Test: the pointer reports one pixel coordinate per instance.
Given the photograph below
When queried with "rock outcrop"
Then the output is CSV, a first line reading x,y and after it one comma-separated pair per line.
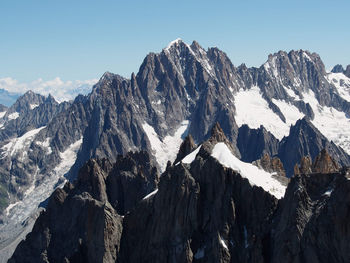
x,y
305,140
201,212
83,222
186,147
324,163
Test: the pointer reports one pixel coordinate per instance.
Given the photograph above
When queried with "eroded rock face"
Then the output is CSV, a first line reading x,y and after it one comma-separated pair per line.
x,y
312,221
186,147
306,140
324,163
83,222
347,71
201,212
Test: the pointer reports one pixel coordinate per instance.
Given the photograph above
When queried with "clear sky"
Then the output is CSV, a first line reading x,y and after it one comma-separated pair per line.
x,y
79,40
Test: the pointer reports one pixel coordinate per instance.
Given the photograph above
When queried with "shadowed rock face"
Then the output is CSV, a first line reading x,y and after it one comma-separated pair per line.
x,y
254,143
305,140
83,222
202,212
312,224
199,214
347,71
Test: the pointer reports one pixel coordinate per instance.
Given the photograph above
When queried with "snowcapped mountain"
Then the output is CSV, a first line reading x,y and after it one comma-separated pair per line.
x,y
288,108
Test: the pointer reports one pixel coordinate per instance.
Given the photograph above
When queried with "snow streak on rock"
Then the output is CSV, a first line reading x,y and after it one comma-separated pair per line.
x,y
255,175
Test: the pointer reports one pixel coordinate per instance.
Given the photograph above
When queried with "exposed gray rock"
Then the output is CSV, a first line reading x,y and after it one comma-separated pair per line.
x,y
186,147
338,69
347,71
81,223
254,143
201,212
312,221
305,140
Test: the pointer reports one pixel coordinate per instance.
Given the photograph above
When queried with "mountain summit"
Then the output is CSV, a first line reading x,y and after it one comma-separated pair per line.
x,y
288,108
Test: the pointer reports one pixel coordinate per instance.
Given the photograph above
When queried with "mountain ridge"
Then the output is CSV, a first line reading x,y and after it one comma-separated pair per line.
x,y
182,90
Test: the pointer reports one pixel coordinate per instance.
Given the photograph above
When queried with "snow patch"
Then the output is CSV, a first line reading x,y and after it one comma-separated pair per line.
x,y
68,157
167,148
13,116
189,158
222,242
8,209
328,192
342,84
291,93
2,114
290,112
330,122
18,144
254,175
174,42
150,194
33,106
252,109
45,144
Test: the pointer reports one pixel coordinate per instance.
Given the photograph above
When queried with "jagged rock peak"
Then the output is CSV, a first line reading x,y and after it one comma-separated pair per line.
x,y
347,71
186,147
293,56
217,133
108,76
175,43
305,165
271,165
324,163
50,99
337,69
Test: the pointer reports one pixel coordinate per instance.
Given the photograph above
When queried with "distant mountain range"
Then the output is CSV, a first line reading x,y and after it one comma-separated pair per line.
x,y
288,108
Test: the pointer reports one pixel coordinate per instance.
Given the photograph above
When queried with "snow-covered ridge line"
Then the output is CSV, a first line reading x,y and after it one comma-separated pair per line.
x,y
254,175
173,43
189,158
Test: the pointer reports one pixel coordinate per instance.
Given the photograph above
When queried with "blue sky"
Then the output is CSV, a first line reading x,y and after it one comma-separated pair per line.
x,y
79,40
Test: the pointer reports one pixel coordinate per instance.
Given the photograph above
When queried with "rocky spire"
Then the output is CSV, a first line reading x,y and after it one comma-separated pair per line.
x,y
306,165
324,163
337,69
186,147
347,71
